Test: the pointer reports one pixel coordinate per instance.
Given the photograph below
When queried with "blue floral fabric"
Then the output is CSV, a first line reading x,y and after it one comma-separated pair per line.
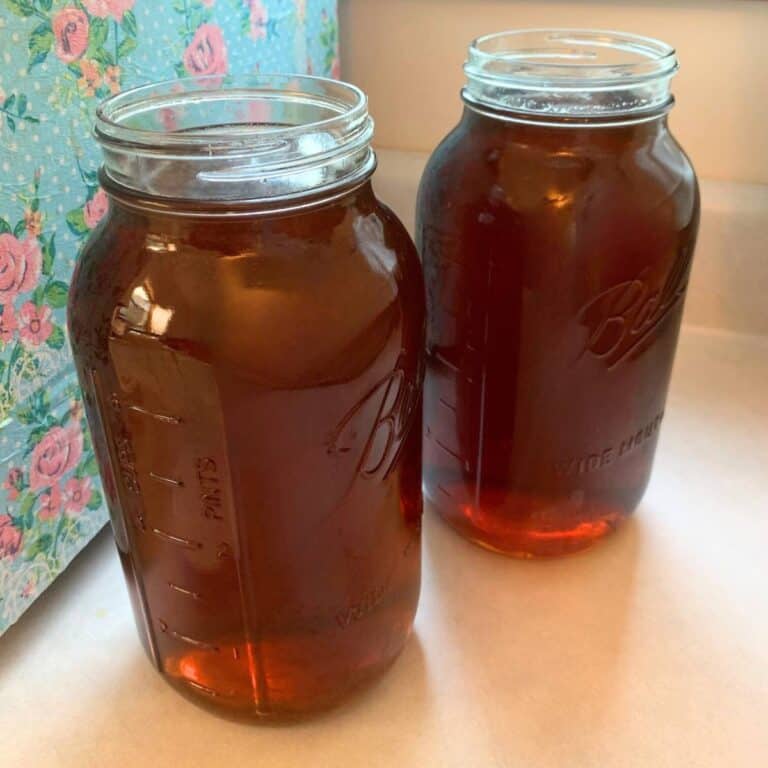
x,y
58,59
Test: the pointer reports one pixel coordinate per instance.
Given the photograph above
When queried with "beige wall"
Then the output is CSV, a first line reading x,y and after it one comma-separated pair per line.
x,y
407,54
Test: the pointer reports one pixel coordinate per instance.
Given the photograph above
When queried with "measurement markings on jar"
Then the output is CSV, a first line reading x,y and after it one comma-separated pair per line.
x,y
184,591
451,366
165,418
204,688
166,480
186,638
168,401
173,539
450,452
447,449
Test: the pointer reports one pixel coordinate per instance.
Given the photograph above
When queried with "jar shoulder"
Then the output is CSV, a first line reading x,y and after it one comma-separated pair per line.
x,y
488,164
279,294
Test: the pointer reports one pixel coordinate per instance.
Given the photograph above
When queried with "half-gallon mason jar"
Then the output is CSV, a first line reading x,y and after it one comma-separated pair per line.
x,y
556,225
248,327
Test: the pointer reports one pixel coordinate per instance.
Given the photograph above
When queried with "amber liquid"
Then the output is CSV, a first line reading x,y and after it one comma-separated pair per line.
x,y
556,261
254,391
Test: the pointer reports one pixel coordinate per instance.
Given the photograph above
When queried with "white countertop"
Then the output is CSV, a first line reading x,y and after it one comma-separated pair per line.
x,y
649,650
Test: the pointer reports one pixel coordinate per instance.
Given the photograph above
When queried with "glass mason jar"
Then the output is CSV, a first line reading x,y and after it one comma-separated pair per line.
x,y
556,225
247,324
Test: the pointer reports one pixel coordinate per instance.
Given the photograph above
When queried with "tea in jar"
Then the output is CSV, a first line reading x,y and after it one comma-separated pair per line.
x,y
556,224
247,325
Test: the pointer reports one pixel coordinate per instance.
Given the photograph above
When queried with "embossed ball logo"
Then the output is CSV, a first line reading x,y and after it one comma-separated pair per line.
x,y
395,399
623,317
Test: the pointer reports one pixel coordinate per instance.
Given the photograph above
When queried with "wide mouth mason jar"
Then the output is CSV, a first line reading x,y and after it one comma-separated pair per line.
x,y
556,225
247,323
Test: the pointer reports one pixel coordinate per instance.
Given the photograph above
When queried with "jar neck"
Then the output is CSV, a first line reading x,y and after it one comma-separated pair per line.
x,y
126,202
563,134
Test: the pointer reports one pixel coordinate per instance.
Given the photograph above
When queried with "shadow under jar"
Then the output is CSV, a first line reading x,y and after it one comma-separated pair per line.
x,y
556,225
247,324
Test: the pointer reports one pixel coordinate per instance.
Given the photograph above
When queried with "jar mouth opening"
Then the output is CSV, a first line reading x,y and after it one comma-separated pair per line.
x,y
246,137
229,114
556,75
583,58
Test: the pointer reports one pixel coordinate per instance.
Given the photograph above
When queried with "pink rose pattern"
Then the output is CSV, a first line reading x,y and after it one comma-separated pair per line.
x,y
105,8
57,453
207,52
47,493
8,324
70,30
29,291
20,262
95,208
13,482
50,503
52,491
258,19
35,324
77,494
10,537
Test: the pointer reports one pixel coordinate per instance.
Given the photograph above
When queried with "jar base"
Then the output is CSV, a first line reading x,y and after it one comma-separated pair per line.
x,y
275,683
503,529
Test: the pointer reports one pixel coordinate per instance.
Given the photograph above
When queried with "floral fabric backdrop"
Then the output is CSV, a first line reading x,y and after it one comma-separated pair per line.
x,y
58,59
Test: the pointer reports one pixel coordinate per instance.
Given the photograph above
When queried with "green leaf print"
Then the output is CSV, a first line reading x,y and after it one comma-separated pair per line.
x,y
38,296
34,437
41,545
26,512
56,339
37,410
127,45
20,7
97,36
26,416
31,367
4,226
91,467
329,40
129,23
11,123
20,228
95,501
45,4
76,222
103,56
56,294
87,445
49,255
15,355
40,43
